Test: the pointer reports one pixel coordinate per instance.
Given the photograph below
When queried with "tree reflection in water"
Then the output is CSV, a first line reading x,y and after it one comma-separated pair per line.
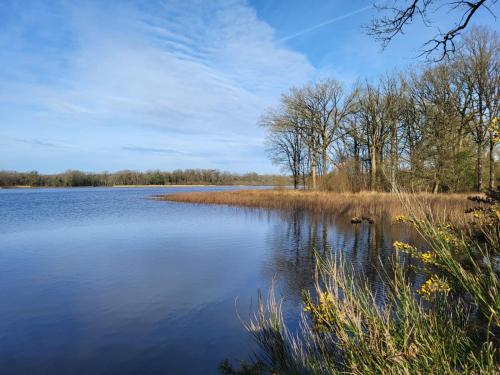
x,y
297,234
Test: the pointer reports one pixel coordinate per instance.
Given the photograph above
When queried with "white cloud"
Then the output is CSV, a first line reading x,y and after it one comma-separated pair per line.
x,y
186,69
215,68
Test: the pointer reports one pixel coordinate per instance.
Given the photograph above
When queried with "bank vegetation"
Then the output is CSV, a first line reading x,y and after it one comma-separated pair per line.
x,y
444,322
373,205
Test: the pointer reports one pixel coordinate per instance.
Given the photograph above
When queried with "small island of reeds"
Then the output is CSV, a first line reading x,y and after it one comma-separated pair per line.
x,y
375,205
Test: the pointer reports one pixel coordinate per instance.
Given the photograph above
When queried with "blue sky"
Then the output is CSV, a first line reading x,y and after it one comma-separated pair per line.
x,y
110,85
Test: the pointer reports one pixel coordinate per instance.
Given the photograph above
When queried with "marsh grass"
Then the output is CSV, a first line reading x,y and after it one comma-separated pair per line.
x,y
447,326
346,330
351,333
376,205
468,256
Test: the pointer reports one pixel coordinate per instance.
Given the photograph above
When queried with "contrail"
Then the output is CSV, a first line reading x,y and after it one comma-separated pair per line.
x,y
333,20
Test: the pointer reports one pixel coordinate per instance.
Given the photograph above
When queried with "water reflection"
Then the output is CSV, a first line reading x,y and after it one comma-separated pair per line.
x,y
108,281
298,234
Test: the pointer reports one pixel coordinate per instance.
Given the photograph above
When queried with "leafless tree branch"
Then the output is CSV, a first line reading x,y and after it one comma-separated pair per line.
x,y
386,27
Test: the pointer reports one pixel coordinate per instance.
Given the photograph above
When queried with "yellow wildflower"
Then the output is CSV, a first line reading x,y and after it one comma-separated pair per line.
x,y
427,257
434,285
325,298
400,219
447,237
404,247
322,313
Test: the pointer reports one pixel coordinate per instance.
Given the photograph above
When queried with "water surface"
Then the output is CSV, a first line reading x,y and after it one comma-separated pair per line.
x,y
107,281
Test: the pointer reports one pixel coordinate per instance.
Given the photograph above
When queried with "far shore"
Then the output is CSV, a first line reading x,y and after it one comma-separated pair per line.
x,y
124,186
184,185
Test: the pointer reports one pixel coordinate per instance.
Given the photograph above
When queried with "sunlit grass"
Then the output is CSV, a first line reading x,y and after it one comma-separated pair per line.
x,y
446,325
449,207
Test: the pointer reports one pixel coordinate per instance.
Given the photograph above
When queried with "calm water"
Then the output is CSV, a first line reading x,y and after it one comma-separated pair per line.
x,y
107,281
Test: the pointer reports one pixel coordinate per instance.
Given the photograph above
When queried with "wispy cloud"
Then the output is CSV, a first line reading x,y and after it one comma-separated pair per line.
x,y
188,69
209,68
32,142
151,150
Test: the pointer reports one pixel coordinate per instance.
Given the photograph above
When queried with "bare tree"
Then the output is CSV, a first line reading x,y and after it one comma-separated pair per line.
x,y
397,15
428,129
394,107
372,114
441,99
285,142
299,106
480,64
322,107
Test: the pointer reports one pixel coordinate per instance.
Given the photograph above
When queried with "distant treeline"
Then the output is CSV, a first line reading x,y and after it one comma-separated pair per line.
x,y
185,177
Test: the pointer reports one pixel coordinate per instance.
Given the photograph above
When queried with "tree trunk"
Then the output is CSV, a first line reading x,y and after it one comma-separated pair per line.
x,y
313,175
435,188
324,167
393,178
357,168
491,184
373,168
394,157
479,168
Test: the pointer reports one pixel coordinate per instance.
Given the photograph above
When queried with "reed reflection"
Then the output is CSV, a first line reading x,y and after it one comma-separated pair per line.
x,y
298,234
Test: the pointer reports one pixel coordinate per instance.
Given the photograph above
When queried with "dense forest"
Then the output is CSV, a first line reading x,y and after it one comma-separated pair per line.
x,y
177,177
432,128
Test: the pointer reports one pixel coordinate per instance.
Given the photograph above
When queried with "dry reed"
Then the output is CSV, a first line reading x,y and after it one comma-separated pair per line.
x,y
375,205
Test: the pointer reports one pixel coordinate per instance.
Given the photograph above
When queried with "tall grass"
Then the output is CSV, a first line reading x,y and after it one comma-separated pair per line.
x,y
468,256
345,330
370,204
447,325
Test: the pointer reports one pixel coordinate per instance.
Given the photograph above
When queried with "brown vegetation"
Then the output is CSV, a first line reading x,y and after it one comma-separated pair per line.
x,y
376,205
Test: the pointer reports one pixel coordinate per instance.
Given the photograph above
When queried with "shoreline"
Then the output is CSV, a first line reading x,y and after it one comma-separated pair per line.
x,y
124,186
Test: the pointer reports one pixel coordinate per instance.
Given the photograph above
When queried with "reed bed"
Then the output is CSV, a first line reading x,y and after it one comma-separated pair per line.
x,y
344,330
376,205
448,324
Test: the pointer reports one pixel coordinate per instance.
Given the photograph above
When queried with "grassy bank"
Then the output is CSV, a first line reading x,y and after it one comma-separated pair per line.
x,y
371,204
445,323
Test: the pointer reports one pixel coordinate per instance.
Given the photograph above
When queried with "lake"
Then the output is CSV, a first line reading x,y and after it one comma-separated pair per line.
x,y
109,281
